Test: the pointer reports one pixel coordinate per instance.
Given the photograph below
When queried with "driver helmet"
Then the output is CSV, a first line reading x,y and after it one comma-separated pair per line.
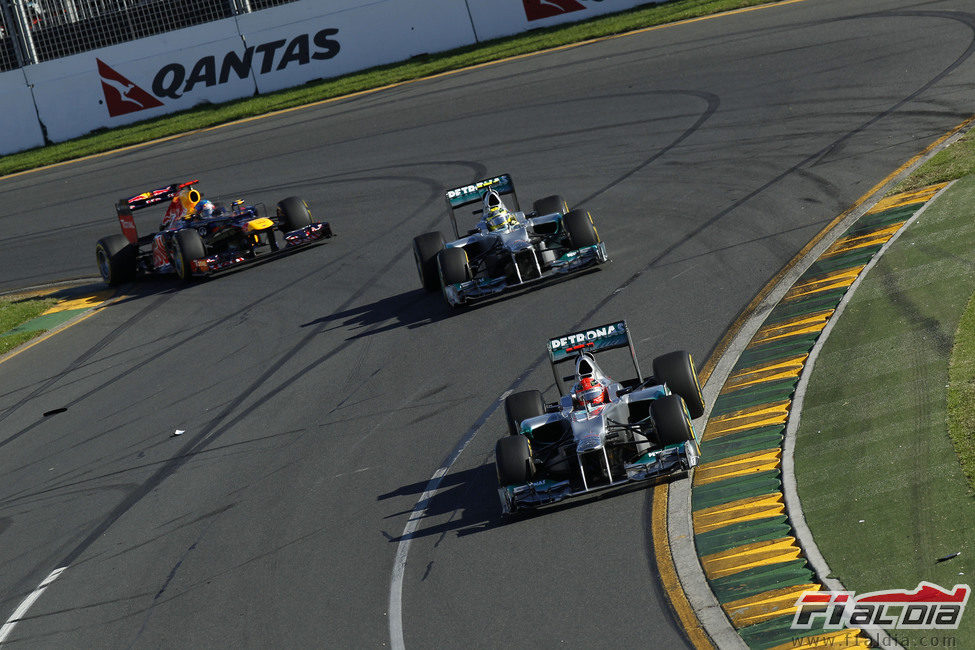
x,y
496,215
589,392
204,209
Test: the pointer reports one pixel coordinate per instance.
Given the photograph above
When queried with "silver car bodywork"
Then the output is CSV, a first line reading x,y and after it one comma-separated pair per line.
x,y
584,450
533,250
532,258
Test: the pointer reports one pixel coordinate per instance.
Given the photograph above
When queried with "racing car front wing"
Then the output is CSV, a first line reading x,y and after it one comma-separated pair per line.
x,y
572,261
653,464
301,237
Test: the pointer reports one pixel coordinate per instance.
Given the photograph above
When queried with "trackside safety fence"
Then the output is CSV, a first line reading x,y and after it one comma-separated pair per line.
x,y
34,31
69,67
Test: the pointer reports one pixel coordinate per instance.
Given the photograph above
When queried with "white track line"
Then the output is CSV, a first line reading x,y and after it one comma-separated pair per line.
x,y
18,614
396,641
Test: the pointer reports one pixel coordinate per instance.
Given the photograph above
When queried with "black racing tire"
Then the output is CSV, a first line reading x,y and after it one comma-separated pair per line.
x,y
513,460
116,259
676,369
293,213
187,246
671,420
521,406
426,247
578,224
550,205
453,266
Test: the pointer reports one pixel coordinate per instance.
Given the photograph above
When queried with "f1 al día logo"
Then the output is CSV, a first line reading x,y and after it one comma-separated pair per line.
x,y
538,9
929,607
173,80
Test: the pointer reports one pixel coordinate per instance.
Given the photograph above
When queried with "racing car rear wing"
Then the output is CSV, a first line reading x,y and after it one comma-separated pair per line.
x,y
125,207
568,347
473,193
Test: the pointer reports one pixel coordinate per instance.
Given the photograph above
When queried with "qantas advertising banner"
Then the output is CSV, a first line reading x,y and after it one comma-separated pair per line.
x,y
219,61
254,53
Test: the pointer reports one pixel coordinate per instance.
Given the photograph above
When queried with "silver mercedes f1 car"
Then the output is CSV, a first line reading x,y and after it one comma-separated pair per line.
x,y
507,248
601,433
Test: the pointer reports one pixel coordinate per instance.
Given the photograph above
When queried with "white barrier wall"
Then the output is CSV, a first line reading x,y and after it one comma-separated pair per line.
x,y
20,127
353,35
254,53
118,85
219,61
497,18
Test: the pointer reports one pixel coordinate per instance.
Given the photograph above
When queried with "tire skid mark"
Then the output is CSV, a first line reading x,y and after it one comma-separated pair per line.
x,y
79,362
395,613
222,422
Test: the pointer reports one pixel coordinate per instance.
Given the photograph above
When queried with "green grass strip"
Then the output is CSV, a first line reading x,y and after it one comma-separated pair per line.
x,y
956,161
961,393
14,312
882,488
423,66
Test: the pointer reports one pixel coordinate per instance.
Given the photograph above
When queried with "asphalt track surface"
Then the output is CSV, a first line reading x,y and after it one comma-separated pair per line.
x,y
320,392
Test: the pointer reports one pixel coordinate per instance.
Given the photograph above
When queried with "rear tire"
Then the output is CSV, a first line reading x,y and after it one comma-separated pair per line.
x,y
671,420
116,259
676,369
426,247
521,406
187,246
550,205
293,213
513,460
578,224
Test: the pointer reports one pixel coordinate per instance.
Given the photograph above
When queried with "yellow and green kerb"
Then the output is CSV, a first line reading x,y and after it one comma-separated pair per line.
x,y
60,307
743,535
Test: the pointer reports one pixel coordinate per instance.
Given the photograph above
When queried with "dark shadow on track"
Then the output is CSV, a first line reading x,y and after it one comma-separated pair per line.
x,y
470,501
418,308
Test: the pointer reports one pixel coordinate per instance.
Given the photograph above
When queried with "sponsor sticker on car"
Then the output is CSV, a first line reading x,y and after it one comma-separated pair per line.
x,y
593,339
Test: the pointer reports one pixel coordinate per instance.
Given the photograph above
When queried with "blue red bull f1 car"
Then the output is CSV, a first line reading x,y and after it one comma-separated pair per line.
x,y
198,237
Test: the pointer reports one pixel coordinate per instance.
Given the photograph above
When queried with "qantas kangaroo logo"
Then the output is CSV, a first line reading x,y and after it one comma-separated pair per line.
x,y
174,80
121,95
538,9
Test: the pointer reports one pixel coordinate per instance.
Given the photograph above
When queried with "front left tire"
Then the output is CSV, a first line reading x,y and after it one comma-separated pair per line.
x,y
187,246
580,228
676,369
426,247
293,214
453,268
671,420
513,459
